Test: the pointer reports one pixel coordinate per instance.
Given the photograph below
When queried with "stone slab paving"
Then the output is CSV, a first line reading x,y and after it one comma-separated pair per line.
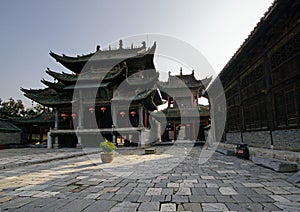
x,y
224,183
10,158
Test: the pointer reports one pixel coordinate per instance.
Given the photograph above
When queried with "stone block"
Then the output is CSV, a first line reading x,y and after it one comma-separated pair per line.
x,y
168,207
227,152
150,151
276,165
295,179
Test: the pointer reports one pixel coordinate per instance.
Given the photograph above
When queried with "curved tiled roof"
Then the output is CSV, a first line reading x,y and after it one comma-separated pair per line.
x,y
8,127
76,64
48,96
43,117
63,77
188,80
55,86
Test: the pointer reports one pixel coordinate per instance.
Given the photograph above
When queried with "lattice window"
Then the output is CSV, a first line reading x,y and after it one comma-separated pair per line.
x,y
233,119
287,71
253,83
255,113
232,96
287,105
291,48
256,74
280,109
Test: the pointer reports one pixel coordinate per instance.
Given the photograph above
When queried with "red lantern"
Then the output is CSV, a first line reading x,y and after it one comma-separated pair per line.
x,y
122,113
132,113
73,115
103,109
64,116
92,109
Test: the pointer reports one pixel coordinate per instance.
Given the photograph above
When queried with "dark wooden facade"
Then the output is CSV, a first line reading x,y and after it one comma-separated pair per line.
x,y
262,82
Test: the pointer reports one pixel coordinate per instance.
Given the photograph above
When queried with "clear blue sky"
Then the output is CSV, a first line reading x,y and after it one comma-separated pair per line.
x,y
31,28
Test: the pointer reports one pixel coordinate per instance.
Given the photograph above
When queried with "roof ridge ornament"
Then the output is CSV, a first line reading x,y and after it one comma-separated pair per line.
x,y
120,44
97,48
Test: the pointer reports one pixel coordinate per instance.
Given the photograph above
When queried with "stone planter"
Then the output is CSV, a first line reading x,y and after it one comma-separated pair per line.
x,y
107,157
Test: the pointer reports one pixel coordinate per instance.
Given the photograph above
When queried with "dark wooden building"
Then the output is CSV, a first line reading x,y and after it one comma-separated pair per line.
x,y
184,117
262,82
109,92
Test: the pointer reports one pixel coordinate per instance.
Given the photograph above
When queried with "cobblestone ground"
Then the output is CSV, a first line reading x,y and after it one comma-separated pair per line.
x,y
224,183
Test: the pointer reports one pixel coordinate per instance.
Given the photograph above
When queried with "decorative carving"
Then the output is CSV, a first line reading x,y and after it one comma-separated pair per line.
x,y
292,47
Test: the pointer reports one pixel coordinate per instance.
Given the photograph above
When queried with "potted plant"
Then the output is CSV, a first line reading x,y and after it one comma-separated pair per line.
x,y
107,154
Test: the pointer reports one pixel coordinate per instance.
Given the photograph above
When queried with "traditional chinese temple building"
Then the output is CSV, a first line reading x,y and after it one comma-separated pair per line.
x,y
262,82
9,133
109,91
35,128
185,117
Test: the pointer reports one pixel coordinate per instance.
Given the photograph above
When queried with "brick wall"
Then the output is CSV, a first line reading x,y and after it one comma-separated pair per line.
x,y
10,138
287,139
282,139
258,139
233,138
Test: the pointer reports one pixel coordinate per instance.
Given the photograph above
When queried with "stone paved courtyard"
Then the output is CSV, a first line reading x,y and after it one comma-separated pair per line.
x,y
224,183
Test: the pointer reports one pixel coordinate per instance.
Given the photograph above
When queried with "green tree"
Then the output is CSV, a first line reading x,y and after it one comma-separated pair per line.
x,y
12,108
34,110
16,108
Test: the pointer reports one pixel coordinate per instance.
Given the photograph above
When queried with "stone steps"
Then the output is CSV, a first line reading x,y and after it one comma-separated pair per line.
x,y
276,165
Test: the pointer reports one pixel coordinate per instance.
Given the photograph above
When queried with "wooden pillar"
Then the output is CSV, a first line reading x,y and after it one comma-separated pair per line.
x,y
241,110
114,139
194,133
56,120
81,111
99,117
71,122
197,100
30,134
141,116
268,81
41,134
169,102
114,115
174,128
55,145
146,117
80,118
192,100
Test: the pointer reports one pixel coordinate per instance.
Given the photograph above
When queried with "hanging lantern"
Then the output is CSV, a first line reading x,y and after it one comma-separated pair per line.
x,y
92,109
64,116
188,125
122,113
132,113
73,115
103,109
